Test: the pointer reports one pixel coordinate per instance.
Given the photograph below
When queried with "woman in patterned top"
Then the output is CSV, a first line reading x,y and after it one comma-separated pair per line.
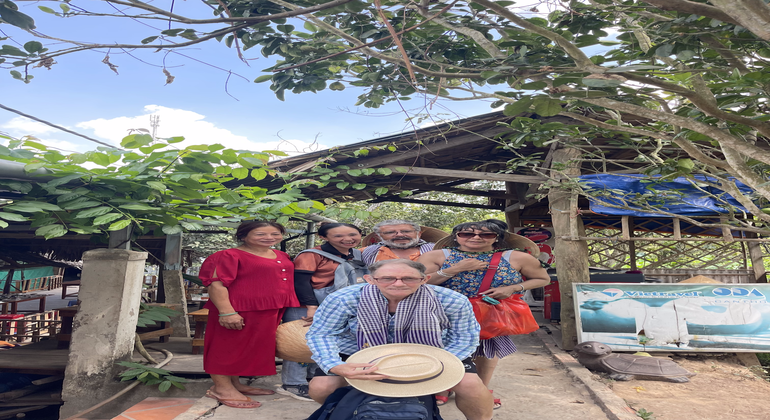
x,y
461,267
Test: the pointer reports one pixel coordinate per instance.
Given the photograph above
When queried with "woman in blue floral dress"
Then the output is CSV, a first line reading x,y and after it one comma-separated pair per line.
x,y
460,261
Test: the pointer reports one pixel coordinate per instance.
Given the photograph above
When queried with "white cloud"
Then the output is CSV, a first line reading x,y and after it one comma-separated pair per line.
x,y
193,127
25,126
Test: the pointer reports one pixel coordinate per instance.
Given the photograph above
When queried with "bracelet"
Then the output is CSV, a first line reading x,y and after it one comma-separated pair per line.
x,y
234,313
522,287
443,274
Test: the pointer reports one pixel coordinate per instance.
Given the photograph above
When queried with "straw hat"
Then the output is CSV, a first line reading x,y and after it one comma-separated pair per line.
x,y
700,279
290,343
512,240
428,234
413,370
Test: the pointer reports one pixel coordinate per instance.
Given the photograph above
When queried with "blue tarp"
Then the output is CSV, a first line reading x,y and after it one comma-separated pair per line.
x,y
679,196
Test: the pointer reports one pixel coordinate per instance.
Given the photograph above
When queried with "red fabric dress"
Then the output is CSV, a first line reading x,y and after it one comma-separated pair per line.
x,y
260,290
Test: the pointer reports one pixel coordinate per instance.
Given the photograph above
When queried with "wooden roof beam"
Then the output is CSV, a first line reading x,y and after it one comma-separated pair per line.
x,y
434,203
461,191
428,149
451,173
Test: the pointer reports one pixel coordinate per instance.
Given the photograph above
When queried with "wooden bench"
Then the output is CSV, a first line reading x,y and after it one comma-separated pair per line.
x,y
200,317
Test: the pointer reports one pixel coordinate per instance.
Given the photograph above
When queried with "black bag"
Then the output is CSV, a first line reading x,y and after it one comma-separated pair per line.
x,y
349,403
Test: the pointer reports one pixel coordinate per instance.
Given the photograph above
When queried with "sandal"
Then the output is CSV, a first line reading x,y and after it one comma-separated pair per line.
x,y
441,400
247,403
258,391
496,401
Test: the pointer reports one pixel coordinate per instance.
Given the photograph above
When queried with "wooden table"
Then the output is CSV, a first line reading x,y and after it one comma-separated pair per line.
x,y
200,317
14,303
64,285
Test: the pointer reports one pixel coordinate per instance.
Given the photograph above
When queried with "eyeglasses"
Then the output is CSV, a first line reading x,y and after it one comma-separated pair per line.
x,y
391,280
485,235
390,232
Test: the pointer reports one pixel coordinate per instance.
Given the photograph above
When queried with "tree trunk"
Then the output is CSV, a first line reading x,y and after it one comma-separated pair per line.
x,y
571,255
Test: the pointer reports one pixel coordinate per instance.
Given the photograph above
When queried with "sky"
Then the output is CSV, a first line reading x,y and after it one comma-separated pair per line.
x,y
212,99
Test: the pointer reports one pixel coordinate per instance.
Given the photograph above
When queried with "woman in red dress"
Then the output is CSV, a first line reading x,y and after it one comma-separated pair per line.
x,y
249,287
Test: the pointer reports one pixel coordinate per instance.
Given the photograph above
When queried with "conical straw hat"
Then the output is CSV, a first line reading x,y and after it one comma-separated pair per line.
x,y
512,240
290,343
428,234
700,279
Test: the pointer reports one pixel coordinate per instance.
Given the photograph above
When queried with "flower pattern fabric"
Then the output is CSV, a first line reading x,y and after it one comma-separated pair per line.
x,y
468,282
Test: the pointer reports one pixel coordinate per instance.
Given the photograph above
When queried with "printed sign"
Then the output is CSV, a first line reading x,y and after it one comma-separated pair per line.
x,y
674,317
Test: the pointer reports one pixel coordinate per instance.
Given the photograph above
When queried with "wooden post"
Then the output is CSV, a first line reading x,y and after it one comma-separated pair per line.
x,y
512,216
571,255
8,281
173,285
631,244
757,259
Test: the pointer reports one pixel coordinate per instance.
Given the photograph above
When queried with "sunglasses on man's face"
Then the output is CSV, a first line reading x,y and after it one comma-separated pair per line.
x,y
485,235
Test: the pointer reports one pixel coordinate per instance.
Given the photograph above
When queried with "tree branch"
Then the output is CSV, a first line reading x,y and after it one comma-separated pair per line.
x,y
703,99
753,15
693,8
368,51
580,58
473,34
723,137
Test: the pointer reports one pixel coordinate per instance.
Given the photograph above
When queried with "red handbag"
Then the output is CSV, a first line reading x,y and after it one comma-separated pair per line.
x,y
510,317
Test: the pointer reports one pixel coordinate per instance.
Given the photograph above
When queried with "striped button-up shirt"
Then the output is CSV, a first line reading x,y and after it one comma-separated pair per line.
x,y
335,325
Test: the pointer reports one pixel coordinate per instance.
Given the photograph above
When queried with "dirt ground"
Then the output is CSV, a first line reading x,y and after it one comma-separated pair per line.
x,y
722,389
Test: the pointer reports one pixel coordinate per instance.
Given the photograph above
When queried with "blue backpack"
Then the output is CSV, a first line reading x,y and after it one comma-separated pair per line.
x,y
349,403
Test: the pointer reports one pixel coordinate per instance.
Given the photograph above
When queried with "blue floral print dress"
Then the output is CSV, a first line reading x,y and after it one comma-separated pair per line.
x,y
468,282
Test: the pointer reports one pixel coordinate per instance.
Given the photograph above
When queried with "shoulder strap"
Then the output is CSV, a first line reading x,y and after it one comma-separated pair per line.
x,y
325,254
486,283
357,255
370,253
446,252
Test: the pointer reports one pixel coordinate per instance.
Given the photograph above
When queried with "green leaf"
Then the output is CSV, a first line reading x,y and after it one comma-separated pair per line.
x,y
148,39
164,386
240,173
171,230
13,217
258,174
16,18
106,218
358,186
354,172
47,10
264,78
80,203
381,191
51,231
156,185
384,171
33,46
97,211
3,224
664,50
342,185
172,140
547,107
516,108
120,224
33,206
138,206
230,196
